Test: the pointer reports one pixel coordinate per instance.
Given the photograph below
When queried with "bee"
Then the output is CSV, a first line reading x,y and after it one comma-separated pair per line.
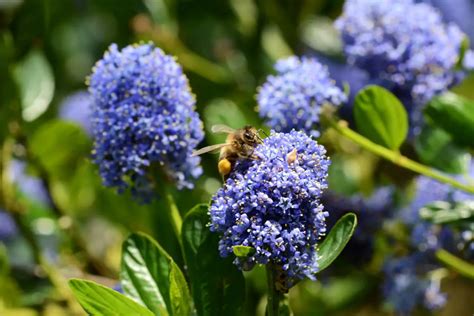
x,y
240,144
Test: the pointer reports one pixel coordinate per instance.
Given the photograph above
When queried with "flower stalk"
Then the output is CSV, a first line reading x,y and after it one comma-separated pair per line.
x,y
274,296
395,157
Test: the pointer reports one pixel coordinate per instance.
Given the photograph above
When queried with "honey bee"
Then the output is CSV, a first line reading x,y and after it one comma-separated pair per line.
x,y
240,144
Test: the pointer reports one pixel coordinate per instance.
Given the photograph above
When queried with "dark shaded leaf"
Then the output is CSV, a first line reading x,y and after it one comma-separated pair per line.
x,y
218,287
454,114
435,147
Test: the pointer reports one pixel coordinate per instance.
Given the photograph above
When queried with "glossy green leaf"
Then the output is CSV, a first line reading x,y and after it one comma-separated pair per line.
x,y
150,276
100,300
336,240
218,287
457,264
454,114
179,292
34,77
243,251
442,212
380,117
435,148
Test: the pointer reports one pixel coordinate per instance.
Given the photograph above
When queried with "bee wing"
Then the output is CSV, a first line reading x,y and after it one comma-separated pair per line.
x,y
208,149
221,128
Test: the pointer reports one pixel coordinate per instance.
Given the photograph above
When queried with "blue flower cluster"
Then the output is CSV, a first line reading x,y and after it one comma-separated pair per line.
x,y
8,228
77,108
293,98
29,185
405,288
143,115
459,12
273,205
408,274
405,45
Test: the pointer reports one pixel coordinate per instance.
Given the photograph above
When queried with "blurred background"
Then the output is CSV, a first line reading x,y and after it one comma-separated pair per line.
x,y
227,48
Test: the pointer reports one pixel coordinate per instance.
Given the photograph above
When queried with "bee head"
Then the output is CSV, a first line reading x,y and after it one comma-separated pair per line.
x,y
250,135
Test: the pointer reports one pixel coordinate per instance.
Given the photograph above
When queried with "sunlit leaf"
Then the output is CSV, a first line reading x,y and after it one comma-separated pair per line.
x,y
150,276
60,146
34,77
243,251
442,212
381,117
100,300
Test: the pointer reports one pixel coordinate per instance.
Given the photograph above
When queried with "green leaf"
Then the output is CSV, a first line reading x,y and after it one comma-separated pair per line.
x,y
179,292
435,148
336,240
150,276
243,251
454,114
67,141
380,117
442,212
464,47
457,264
34,77
100,300
218,287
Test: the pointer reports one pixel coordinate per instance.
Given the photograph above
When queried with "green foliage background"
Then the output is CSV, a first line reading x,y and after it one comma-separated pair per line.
x,y
47,49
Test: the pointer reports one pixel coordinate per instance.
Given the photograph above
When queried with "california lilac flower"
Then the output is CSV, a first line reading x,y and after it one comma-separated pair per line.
x,y
7,226
29,185
346,75
425,239
406,288
77,108
460,12
143,114
273,205
371,212
292,99
403,44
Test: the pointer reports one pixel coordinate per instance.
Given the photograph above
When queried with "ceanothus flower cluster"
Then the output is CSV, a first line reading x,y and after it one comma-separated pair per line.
x,y
143,114
403,44
77,108
272,204
405,288
409,274
293,98
8,227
